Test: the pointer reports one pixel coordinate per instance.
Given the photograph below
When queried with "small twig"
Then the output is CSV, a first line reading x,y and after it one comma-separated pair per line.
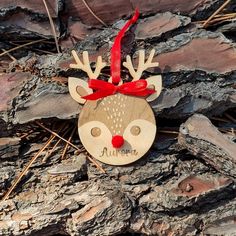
x,y
168,131
26,134
54,133
230,117
61,128
44,51
18,179
25,41
225,130
21,46
90,10
8,54
215,13
232,131
226,14
220,119
220,19
52,26
66,146
51,151
71,144
35,49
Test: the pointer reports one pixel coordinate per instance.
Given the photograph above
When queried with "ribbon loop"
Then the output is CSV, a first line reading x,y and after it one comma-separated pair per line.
x,y
116,49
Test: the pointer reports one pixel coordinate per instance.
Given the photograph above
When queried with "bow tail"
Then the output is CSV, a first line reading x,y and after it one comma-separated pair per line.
x,y
98,94
141,93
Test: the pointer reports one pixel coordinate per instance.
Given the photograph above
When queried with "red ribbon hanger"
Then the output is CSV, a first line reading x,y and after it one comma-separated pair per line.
x,y
103,88
116,49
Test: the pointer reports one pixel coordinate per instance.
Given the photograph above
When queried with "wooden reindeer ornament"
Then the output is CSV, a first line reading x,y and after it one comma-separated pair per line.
x,y
116,125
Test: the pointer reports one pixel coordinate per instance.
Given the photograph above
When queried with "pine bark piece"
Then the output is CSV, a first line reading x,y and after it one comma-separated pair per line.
x,y
28,20
26,98
183,101
39,99
9,152
11,85
35,6
6,175
225,226
117,9
199,50
46,105
156,26
24,102
183,193
9,147
78,32
222,54
187,191
123,8
203,140
229,27
200,219
78,165
26,27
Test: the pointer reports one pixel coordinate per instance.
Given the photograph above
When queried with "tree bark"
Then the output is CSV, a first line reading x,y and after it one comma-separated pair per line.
x,y
185,185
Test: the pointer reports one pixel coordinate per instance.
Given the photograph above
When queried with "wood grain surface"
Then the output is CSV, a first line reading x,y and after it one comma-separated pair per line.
x,y
128,116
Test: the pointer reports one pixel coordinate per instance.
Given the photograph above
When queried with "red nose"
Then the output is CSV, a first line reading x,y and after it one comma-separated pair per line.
x,y
117,141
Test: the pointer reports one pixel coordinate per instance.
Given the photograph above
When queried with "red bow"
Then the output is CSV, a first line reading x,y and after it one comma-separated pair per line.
x,y
104,89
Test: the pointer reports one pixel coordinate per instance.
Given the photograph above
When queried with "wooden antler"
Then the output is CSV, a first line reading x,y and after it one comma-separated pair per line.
x,y
85,66
142,65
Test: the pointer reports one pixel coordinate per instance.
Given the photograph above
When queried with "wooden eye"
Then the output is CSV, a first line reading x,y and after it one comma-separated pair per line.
x,y
135,130
95,132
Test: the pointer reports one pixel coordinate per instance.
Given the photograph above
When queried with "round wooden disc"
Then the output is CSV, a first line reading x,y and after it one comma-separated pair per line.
x,y
126,116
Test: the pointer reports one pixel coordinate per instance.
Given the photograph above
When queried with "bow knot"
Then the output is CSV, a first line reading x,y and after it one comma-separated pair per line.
x,y
104,89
